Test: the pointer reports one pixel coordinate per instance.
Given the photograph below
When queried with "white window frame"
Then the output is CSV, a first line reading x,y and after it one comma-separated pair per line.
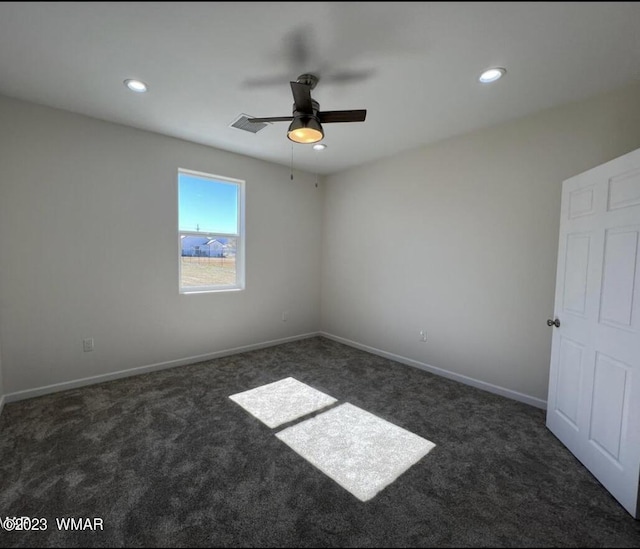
x,y
239,236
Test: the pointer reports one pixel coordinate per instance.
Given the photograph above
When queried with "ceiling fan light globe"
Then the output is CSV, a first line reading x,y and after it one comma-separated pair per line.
x,y
305,135
305,130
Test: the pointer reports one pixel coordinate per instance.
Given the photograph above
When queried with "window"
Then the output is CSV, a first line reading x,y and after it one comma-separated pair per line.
x,y
211,232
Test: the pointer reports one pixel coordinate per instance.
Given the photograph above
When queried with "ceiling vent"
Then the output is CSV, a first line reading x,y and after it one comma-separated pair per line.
x,y
242,123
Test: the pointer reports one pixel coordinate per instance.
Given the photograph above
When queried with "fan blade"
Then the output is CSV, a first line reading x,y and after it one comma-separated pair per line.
x,y
302,97
299,47
271,119
327,117
263,81
345,77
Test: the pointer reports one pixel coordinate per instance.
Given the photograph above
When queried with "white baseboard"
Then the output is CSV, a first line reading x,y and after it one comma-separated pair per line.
x,y
515,395
66,385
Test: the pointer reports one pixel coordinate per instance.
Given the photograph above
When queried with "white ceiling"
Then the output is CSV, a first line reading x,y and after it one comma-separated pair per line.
x,y
418,62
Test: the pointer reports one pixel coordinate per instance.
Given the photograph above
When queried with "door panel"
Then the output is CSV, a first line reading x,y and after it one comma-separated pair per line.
x,y
569,375
609,388
624,190
576,273
581,202
619,277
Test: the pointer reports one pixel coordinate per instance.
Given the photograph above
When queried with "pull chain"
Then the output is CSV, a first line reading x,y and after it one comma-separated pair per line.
x,y
292,162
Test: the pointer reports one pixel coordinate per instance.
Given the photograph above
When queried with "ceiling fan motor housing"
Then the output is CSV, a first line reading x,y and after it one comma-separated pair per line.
x,y
315,106
308,80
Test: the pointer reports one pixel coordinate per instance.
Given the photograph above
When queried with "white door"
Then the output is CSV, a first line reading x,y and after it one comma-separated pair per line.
x,y
594,383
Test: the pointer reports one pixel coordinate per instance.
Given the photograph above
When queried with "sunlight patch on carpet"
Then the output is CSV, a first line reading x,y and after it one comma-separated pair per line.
x,y
361,452
282,401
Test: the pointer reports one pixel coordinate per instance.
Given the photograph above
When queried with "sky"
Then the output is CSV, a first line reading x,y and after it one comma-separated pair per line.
x,y
209,204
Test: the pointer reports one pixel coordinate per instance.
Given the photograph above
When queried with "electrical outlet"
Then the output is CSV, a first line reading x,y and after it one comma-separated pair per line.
x,y
87,344
423,335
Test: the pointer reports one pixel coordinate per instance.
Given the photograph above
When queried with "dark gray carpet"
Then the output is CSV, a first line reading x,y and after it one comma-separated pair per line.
x,y
168,460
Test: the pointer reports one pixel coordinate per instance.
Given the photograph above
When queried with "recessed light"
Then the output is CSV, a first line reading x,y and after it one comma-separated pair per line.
x,y
491,75
319,147
135,85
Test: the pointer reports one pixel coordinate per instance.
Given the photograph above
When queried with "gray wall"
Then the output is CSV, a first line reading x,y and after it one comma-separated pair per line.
x,y
461,238
75,192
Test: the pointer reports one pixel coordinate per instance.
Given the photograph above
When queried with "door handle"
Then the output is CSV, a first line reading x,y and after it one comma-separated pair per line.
x,y
555,322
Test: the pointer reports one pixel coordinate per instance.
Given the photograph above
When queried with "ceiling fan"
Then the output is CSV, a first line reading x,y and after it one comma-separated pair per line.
x,y
307,118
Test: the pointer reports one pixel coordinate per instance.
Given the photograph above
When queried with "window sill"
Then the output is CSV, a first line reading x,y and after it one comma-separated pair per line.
x,y
210,290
